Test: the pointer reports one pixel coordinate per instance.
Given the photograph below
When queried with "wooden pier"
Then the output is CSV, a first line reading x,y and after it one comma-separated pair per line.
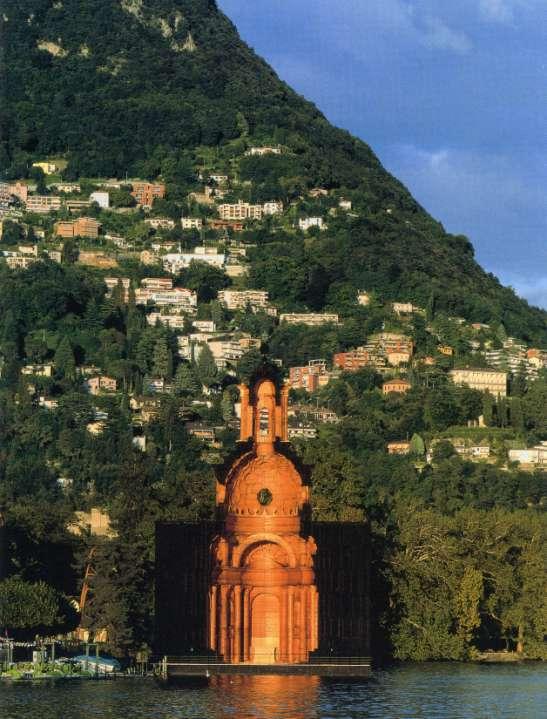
x,y
172,668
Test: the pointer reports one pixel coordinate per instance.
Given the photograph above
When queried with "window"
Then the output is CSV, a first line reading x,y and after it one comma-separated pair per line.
x,y
263,422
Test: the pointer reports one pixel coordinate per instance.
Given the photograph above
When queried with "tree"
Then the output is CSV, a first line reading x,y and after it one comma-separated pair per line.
x,y
468,598
205,279
12,233
206,367
65,363
33,607
162,362
417,446
248,364
186,382
70,252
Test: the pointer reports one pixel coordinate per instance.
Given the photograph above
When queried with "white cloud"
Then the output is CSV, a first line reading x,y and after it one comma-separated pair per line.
x,y
496,10
506,12
438,35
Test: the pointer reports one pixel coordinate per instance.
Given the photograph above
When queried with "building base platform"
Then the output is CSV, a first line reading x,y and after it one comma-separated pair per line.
x,y
172,670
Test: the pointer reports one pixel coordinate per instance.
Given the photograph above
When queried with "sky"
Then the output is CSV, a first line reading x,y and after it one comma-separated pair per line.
x,y
450,94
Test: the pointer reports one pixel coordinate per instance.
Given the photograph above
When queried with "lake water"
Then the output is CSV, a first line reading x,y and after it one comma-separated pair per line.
x,y
426,691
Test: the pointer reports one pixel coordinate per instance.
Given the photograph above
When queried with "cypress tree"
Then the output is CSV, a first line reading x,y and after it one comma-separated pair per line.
x,y
206,367
65,363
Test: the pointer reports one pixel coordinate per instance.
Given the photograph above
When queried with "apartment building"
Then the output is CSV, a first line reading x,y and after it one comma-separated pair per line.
x,y
112,282
392,342
313,319
397,386
272,208
357,359
484,380
146,192
398,447
38,370
160,223
240,211
101,198
82,227
157,283
176,261
225,225
178,298
265,150
101,383
304,223
19,190
16,261
536,456
228,350
42,204
48,168
309,377
241,299
174,322
191,223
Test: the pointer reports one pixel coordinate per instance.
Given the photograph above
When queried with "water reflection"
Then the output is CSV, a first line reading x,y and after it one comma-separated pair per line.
x,y
419,691
254,697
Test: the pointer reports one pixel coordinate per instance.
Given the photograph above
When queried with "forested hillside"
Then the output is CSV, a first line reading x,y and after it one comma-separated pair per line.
x,y
134,87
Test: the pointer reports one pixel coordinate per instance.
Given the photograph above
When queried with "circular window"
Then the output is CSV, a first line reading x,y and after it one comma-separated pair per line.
x,y
264,497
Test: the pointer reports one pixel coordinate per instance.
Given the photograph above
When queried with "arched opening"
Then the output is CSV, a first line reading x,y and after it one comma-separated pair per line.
x,y
265,629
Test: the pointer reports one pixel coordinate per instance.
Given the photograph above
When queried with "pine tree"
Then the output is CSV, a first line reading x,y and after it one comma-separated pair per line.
x,y
64,359
206,367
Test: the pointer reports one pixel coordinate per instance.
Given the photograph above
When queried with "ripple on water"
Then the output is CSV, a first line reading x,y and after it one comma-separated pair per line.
x,y
419,691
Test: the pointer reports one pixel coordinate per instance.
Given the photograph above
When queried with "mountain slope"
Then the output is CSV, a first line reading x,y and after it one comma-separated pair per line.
x,y
135,86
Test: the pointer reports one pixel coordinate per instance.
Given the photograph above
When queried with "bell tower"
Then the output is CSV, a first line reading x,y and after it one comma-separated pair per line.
x,y
263,600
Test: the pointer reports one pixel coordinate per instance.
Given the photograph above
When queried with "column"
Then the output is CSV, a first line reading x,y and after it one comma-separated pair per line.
x,y
290,623
236,650
283,640
223,610
315,618
213,618
246,624
303,632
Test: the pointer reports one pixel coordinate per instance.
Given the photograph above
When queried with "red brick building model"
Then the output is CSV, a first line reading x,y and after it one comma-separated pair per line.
x,y
263,600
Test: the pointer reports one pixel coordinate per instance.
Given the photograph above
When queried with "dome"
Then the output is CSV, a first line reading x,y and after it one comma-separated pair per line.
x,y
265,484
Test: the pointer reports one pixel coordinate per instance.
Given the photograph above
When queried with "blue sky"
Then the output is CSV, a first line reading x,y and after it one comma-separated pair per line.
x,y
450,94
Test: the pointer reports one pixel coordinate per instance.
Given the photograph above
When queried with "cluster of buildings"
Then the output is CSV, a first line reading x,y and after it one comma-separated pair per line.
x,y
383,350
515,357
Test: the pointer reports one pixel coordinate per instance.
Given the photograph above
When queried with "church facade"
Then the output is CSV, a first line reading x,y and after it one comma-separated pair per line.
x,y
263,599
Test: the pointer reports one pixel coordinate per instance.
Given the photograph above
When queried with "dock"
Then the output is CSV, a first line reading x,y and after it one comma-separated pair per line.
x,y
172,668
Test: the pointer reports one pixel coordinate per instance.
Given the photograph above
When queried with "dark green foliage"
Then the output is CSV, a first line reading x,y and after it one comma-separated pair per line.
x,y
204,279
33,608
